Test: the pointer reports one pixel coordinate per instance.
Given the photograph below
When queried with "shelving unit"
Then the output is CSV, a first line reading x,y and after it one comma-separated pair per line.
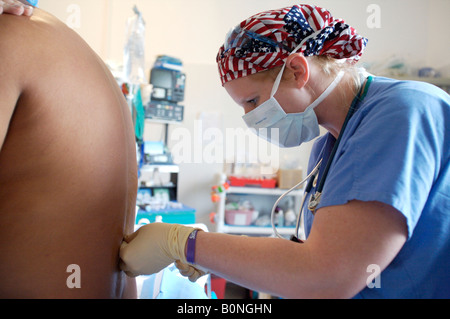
x,y
173,212
263,199
173,170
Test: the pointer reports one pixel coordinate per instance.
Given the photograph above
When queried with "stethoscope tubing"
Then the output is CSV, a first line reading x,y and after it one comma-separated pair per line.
x,y
309,178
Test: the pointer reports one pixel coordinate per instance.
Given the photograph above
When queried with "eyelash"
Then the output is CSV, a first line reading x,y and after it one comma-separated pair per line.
x,y
252,101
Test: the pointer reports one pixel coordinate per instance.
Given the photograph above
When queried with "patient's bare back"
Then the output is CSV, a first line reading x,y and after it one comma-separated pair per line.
x,y
67,168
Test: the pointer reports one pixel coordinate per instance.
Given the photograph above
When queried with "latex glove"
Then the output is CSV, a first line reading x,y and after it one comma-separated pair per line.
x,y
187,270
15,7
153,247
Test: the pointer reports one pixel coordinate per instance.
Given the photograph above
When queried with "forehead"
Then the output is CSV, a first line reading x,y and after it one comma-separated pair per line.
x,y
249,87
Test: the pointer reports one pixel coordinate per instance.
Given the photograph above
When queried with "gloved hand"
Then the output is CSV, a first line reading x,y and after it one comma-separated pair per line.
x,y
15,7
187,270
153,247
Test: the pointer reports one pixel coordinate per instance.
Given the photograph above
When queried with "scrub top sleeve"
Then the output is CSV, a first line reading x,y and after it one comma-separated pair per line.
x,y
391,152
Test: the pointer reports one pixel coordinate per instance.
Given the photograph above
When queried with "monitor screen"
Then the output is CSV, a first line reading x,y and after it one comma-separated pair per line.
x,y
161,78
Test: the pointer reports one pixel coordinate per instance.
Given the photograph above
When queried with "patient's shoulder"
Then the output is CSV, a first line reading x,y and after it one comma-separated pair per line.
x,y
33,32
41,47
20,35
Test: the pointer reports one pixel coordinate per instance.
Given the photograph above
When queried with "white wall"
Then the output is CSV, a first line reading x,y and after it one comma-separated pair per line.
x,y
193,30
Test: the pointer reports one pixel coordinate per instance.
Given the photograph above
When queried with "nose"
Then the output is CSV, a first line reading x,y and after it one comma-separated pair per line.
x,y
248,109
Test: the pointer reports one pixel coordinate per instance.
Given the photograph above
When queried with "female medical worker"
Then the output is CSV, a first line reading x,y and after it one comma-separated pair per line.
x,y
385,202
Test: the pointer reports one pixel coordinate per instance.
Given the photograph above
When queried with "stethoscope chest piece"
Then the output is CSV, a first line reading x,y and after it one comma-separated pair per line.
x,y
314,201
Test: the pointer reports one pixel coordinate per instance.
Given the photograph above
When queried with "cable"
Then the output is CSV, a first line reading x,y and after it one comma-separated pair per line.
x,y
272,214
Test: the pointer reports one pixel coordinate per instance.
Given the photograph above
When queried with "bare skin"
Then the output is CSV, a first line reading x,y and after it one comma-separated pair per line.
x,y
332,263
68,177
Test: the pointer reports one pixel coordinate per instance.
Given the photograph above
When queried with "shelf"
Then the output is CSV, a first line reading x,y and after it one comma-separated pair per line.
x,y
262,191
256,230
159,121
146,180
163,168
260,194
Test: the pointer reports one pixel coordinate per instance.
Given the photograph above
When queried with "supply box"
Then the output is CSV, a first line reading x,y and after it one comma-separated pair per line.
x,y
288,178
252,182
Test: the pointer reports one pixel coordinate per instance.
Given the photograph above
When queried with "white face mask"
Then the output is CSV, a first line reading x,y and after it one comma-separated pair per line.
x,y
273,124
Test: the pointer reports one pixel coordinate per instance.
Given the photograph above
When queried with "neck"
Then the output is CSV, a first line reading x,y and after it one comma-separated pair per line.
x,y
331,113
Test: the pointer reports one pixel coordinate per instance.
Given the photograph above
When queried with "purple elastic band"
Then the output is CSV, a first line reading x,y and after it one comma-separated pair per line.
x,y
190,250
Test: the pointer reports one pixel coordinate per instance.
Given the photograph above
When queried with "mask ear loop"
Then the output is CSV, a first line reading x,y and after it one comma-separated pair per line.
x,y
330,88
280,74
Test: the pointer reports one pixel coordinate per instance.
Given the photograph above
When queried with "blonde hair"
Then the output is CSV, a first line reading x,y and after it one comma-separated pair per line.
x,y
329,67
332,67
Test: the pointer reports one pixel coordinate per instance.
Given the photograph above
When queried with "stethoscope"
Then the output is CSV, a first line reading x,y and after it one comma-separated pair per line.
x,y
314,199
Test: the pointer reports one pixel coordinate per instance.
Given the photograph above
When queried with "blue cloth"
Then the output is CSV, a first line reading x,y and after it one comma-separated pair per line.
x,y
396,150
33,2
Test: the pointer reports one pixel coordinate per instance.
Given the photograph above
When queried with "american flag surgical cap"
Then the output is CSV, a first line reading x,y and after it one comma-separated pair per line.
x,y
266,39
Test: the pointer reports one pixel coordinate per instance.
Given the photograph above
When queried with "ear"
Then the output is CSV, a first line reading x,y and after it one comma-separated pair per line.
x,y
299,66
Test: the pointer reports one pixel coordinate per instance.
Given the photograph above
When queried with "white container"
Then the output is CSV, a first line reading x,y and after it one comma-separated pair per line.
x,y
239,217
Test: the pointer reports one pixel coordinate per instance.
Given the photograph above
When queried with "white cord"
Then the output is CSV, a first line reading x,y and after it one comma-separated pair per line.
x,y
272,214
300,214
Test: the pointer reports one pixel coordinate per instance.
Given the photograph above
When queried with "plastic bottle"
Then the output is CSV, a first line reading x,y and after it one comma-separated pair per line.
x,y
280,218
290,217
134,50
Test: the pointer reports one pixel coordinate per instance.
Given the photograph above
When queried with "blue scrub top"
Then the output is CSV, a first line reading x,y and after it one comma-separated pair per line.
x,y
396,150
